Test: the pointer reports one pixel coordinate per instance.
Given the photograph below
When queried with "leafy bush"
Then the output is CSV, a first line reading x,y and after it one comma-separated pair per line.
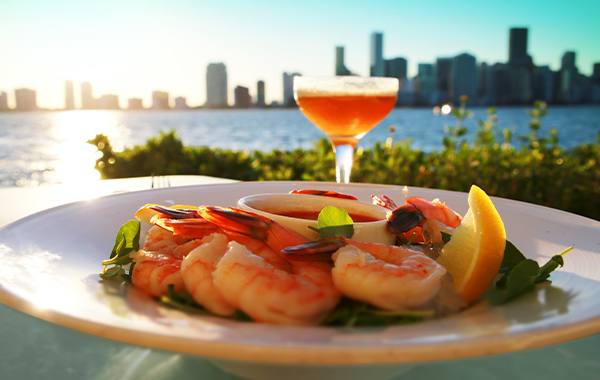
x,y
540,172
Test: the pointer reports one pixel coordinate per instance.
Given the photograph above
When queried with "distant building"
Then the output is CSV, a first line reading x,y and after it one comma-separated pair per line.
x,y
135,104
87,96
3,101
260,94
463,79
288,89
395,68
443,70
424,84
568,91
216,85
108,102
517,47
596,73
69,95
181,103
160,100
544,84
26,99
340,66
377,65
242,98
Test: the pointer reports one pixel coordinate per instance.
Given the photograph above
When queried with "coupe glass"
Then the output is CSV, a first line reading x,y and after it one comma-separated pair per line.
x,y
345,108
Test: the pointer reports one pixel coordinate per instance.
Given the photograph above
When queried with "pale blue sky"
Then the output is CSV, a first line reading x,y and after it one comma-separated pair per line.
x,y
133,47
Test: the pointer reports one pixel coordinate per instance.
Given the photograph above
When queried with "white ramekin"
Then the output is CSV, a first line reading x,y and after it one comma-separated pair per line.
x,y
280,202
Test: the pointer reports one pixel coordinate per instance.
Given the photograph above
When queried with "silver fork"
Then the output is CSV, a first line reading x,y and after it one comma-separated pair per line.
x,y
160,182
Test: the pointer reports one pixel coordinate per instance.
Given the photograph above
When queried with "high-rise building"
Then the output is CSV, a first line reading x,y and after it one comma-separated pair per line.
x,y
463,79
242,98
424,84
216,85
135,104
160,100
340,65
87,96
568,78
517,47
3,101
181,103
108,102
260,93
395,68
69,95
288,89
443,70
596,73
26,99
544,80
377,68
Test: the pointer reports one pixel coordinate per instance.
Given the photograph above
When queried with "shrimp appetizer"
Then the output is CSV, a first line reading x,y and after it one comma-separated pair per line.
x,y
234,263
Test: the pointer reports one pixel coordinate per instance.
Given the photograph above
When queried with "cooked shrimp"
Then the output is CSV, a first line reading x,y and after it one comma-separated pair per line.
x,y
387,276
258,280
197,272
157,264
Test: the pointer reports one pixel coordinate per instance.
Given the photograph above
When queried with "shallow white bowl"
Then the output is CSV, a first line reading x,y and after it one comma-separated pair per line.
x,y
50,264
280,202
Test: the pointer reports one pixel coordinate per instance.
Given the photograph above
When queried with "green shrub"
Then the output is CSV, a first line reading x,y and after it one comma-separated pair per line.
x,y
540,172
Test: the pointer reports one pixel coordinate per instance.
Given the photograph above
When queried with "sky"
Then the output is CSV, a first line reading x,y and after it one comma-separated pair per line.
x,y
131,48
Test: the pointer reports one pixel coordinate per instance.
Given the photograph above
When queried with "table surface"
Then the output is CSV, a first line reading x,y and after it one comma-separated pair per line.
x,y
35,349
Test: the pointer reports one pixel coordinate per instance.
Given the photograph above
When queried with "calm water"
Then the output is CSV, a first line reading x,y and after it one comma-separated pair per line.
x,y
49,147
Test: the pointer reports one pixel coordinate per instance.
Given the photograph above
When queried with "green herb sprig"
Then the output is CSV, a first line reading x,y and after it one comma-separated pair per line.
x,y
351,313
126,241
334,222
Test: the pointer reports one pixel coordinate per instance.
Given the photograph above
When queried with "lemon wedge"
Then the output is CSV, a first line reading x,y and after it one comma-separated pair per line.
x,y
474,253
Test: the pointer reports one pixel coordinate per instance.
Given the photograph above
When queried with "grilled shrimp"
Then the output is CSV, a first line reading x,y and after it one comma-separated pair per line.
x,y
197,272
254,277
157,264
387,276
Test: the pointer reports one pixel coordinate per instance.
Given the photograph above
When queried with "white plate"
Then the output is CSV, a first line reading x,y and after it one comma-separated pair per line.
x,y
50,264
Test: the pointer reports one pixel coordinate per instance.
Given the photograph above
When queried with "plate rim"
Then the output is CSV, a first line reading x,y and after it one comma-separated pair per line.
x,y
313,353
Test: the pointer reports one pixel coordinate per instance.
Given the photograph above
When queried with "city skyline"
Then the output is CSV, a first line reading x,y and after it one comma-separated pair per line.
x,y
169,44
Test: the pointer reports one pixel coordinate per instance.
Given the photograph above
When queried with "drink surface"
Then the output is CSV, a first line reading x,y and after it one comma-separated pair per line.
x,y
346,118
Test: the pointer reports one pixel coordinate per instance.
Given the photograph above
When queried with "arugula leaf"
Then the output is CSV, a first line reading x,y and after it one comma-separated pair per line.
x,y
446,237
552,264
512,256
126,241
350,313
520,274
334,222
180,301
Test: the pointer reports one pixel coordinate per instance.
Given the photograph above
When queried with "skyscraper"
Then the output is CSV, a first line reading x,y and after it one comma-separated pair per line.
x,y
288,89
377,68
87,96
424,85
443,69
135,104
568,77
181,103
463,80
242,98
396,68
340,66
3,101
596,73
69,95
160,100
260,93
517,46
216,85
108,102
26,99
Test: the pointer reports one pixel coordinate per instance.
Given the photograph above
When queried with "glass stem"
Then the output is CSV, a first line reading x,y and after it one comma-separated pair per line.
x,y
344,156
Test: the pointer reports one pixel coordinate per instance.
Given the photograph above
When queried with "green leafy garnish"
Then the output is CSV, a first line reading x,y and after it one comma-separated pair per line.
x,y
126,241
520,275
180,301
350,313
334,221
